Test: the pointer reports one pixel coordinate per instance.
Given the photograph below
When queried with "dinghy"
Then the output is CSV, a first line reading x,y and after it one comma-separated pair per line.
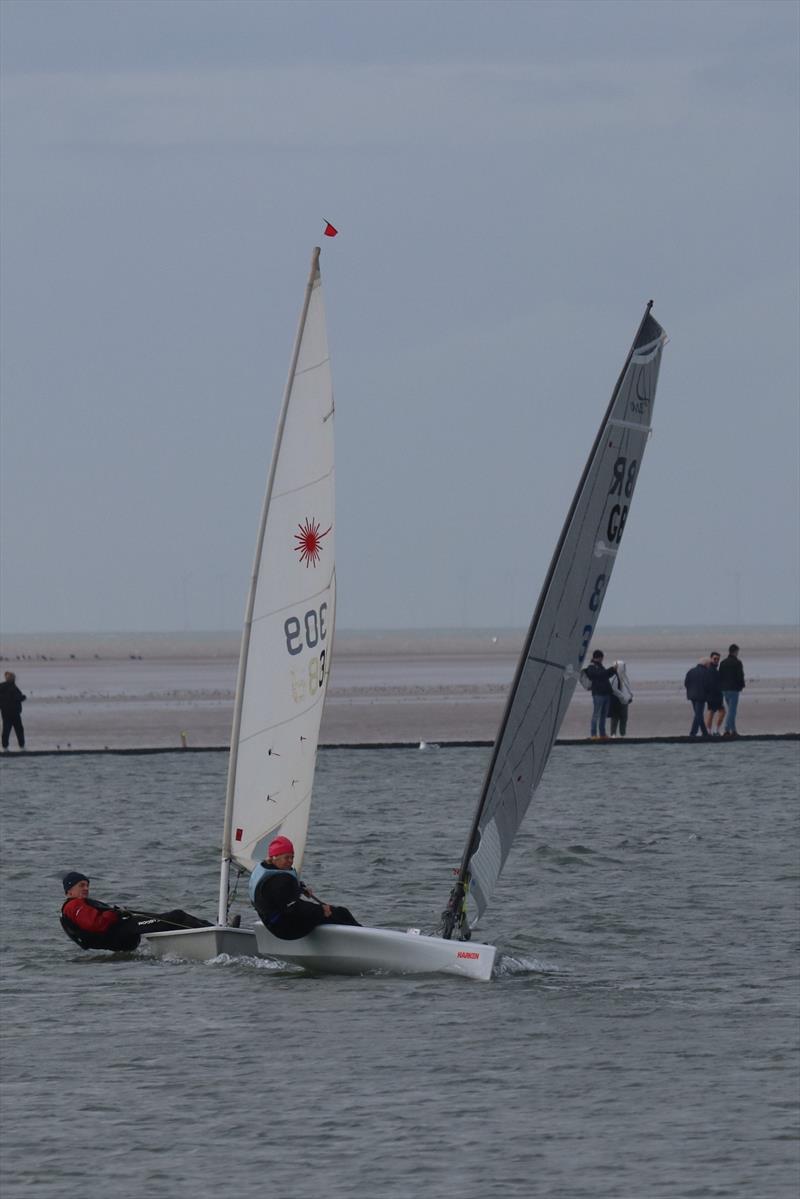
x,y
559,637
284,660
343,949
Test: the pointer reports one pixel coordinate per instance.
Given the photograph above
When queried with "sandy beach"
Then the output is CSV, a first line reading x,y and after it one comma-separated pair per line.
x,y
122,691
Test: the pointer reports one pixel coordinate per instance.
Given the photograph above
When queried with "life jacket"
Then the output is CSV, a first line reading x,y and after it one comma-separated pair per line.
x,y
263,871
263,874
122,937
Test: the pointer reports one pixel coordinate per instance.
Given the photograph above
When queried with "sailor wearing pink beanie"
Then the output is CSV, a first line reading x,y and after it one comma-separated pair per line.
x,y
285,905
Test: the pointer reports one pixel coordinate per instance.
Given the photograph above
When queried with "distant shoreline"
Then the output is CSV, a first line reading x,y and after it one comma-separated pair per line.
x,y
631,742
122,692
213,645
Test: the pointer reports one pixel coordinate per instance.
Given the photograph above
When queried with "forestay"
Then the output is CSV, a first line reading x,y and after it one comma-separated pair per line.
x,y
288,630
561,630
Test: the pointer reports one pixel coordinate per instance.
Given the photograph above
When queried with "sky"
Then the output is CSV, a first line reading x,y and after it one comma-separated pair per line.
x,y
512,182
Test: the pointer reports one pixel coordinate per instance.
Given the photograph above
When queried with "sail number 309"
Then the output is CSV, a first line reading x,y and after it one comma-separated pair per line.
x,y
307,634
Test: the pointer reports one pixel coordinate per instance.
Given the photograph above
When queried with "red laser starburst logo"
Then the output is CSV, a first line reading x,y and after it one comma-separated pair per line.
x,y
309,541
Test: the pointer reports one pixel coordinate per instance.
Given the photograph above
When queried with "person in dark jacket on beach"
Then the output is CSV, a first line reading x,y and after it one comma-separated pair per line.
x,y
599,676
696,684
11,701
715,702
731,680
96,925
285,905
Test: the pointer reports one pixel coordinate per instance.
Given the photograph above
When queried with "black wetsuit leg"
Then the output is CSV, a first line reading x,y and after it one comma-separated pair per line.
x,y
303,917
299,920
341,916
125,936
168,922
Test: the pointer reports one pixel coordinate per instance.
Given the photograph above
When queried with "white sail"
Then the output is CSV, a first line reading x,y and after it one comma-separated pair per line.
x,y
288,631
564,621
286,639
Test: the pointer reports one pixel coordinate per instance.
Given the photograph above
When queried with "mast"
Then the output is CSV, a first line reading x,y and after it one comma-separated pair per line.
x,y
222,914
454,917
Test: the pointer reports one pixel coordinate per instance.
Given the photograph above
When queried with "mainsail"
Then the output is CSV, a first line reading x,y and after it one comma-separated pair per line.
x,y
288,629
563,622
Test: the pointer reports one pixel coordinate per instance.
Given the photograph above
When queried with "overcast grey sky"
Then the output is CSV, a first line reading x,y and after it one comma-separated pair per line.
x,y
512,182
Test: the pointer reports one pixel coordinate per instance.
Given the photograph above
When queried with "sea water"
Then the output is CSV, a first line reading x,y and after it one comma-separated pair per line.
x,y
639,1040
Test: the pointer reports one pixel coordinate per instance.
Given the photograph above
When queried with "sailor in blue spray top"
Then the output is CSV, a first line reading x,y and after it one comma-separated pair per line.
x,y
285,905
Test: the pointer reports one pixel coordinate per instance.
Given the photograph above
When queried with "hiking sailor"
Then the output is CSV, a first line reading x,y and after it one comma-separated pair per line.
x,y
285,905
96,925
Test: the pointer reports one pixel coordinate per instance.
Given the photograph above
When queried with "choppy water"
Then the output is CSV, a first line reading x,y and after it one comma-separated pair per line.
x,y
640,1040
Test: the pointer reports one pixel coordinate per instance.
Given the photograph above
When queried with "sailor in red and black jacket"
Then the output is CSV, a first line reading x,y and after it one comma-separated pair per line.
x,y
92,924
95,925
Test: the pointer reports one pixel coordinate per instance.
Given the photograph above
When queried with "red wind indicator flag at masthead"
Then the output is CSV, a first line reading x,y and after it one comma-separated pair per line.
x,y
329,230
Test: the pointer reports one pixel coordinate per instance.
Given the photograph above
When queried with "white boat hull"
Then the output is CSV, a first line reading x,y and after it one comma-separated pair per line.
x,y
345,949
202,944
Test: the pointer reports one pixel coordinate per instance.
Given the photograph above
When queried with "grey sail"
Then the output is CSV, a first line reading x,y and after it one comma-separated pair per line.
x,y
561,629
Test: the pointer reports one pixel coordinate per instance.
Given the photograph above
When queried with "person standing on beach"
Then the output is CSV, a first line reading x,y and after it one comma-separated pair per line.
x,y
621,698
716,704
599,676
11,701
731,680
696,684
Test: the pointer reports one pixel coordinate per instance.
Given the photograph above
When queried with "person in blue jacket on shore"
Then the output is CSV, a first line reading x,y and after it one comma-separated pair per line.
x,y
731,680
285,905
599,677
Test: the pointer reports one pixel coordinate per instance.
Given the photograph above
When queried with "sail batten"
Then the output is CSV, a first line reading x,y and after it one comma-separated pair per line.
x,y
312,595
279,495
271,728
563,623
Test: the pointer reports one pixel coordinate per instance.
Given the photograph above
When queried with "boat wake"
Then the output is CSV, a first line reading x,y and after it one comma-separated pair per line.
x,y
253,962
509,966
